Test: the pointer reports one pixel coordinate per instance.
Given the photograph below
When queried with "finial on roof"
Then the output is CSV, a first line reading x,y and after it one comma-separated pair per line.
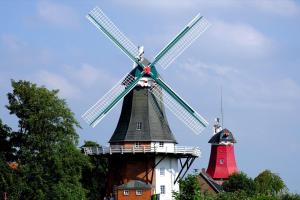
x,y
217,126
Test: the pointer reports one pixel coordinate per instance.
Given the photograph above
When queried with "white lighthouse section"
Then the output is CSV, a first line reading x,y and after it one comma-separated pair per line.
x,y
165,174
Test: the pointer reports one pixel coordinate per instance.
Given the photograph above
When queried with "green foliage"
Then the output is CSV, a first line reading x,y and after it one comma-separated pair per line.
x,y
288,196
237,195
6,149
50,165
239,182
94,177
189,189
269,183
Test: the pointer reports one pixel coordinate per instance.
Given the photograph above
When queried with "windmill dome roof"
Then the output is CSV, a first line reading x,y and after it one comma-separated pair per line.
x,y
222,136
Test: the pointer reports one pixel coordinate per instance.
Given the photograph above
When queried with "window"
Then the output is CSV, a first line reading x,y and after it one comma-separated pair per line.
x,y
126,192
138,192
137,145
161,144
162,171
139,126
162,189
221,161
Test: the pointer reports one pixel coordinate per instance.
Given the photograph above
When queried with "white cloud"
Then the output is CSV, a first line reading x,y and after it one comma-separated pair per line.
x,y
243,89
55,81
76,82
57,14
241,38
275,7
280,7
88,75
11,42
158,4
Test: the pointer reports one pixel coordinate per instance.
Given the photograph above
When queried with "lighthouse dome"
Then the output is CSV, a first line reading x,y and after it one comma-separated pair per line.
x,y
223,136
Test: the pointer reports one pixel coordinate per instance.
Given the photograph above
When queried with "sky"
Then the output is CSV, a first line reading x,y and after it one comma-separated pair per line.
x,y
251,51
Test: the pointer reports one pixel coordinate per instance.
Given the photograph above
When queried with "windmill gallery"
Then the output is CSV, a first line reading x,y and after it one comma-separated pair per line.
x,y
143,155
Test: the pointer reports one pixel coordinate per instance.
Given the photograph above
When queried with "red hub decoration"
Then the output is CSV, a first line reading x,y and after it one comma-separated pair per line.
x,y
147,70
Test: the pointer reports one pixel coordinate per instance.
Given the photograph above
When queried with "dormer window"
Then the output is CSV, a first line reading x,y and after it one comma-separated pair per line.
x,y
139,126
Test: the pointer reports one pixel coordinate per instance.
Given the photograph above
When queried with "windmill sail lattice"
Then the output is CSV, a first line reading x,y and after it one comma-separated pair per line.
x,y
94,115
179,108
147,70
102,22
182,41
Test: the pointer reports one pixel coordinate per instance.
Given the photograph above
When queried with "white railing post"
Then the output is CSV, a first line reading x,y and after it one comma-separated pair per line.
x,y
121,149
110,150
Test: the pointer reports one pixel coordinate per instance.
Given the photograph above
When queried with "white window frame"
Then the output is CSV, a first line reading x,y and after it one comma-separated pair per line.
x,y
138,192
139,126
162,171
126,192
161,144
137,144
162,189
221,161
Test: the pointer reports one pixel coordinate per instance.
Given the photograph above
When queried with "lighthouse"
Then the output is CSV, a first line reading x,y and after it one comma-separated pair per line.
x,y
222,161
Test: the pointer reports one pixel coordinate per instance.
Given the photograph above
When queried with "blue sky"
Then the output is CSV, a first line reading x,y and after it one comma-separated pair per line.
x,y
251,50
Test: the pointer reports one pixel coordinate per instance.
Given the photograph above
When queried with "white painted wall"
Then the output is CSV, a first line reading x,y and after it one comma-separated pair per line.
x,y
167,147
171,171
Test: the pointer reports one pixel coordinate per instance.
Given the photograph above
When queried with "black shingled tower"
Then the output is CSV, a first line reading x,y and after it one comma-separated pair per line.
x,y
140,106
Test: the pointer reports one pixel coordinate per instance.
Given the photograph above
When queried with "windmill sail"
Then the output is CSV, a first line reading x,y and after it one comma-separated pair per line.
x,y
102,22
98,111
178,107
182,41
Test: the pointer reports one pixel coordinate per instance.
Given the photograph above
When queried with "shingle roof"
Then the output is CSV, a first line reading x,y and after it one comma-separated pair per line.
x,y
216,187
223,136
141,106
135,184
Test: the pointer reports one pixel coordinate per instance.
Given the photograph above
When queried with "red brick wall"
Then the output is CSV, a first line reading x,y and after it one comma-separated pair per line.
x,y
146,195
126,167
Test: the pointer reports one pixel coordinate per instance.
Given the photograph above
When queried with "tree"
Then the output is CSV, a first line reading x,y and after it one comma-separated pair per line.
x,y
6,149
239,182
189,189
49,162
269,183
289,196
94,177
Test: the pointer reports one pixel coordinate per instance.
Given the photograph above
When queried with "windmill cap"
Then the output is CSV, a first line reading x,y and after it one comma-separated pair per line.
x,y
222,136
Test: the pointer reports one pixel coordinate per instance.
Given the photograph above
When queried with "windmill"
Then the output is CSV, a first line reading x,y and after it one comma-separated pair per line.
x,y
150,150
147,70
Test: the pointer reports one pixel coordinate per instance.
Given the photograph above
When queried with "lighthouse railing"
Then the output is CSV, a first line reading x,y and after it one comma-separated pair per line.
x,y
120,149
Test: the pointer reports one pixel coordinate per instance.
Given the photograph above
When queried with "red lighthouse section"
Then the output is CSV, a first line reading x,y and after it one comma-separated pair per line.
x,y
222,160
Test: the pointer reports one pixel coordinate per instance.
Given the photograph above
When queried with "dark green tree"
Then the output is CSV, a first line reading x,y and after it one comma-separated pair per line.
x,y
94,177
289,196
6,148
49,162
239,182
269,183
10,183
189,189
